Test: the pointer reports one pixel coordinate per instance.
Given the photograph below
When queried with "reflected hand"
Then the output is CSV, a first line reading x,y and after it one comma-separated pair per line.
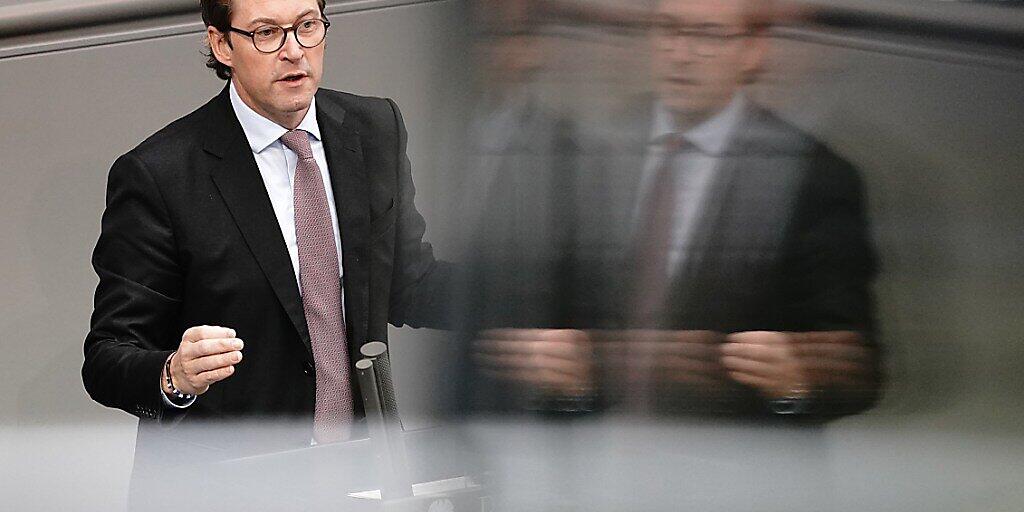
x,y
767,361
550,361
786,364
837,359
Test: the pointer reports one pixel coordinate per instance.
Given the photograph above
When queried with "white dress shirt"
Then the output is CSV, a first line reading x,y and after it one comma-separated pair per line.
x,y
694,172
277,169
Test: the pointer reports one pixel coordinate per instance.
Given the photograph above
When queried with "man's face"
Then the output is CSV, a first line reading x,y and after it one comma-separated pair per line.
x,y
509,58
703,53
278,85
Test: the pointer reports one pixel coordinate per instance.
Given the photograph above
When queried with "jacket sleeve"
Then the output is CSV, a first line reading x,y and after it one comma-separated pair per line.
x,y
422,288
138,296
831,260
830,268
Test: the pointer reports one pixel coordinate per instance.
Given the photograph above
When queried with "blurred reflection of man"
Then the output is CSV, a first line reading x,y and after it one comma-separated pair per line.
x,y
521,152
511,131
749,260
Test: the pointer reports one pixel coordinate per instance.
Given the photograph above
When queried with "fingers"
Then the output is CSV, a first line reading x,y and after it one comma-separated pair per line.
x,y
214,376
210,347
538,348
840,359
753,367
534,348
775,378
205,364
530,334
760,353
540,378
527,365
848,338
777,362
766,361
548,359
834,352
203,332
194,376
207,354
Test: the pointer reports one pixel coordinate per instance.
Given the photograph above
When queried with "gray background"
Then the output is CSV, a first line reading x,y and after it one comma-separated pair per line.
x,y
936,128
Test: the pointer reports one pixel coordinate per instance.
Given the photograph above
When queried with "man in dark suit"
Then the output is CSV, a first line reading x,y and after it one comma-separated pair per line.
x,y
276,221
744,258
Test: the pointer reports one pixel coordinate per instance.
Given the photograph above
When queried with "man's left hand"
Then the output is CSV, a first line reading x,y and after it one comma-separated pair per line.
x,y
767,361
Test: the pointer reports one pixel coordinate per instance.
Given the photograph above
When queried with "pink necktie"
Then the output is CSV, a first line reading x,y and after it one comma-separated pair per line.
x,y
653,284
321,295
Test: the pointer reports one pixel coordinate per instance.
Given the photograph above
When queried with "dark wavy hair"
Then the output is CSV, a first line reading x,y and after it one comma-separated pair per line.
x,y
217,14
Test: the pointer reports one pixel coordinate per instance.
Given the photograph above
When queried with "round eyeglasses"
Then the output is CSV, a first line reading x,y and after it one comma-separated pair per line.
x,y
271,38
701,42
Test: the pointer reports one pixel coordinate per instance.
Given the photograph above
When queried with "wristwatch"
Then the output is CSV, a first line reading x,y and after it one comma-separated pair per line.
x,y
797,402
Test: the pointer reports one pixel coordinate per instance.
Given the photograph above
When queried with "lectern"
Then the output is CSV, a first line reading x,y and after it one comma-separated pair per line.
x,y
394,470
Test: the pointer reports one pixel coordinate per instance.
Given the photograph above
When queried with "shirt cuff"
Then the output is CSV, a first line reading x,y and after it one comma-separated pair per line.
x,y
170,403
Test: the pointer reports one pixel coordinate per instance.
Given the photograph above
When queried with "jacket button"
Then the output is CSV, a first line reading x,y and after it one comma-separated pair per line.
x,y
307,368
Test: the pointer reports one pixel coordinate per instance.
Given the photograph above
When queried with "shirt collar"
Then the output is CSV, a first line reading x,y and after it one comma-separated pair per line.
x,y
262,132
711,136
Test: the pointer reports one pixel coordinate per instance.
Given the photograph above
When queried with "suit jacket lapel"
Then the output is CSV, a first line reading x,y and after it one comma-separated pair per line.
x,y
343,148
238,179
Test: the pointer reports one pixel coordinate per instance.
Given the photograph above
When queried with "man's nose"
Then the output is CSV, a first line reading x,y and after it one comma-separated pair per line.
x,y
292,50
681,52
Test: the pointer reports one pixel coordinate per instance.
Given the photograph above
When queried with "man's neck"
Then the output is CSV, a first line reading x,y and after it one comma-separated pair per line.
x,y
710,131
686,121
291,120
288,120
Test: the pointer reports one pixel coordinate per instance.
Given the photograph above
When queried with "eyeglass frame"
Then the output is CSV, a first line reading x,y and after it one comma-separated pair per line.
x,y
293,29
698,40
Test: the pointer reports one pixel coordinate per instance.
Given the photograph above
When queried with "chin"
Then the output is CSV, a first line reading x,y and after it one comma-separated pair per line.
x,y
683,106
297,102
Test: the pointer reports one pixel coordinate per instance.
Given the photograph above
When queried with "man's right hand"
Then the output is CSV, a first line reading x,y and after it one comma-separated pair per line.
x,y
207,354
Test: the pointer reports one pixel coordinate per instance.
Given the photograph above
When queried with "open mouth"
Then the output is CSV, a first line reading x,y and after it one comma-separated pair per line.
x,y
293,77
678,80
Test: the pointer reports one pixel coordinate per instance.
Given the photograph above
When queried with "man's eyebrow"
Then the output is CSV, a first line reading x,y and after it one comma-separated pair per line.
x,y
271,21
708,25
668,20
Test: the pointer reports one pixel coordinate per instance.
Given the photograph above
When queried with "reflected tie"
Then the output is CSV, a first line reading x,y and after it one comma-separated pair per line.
x,y
321,294
652,284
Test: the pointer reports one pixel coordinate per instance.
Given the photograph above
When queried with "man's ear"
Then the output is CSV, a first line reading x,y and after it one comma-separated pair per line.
x,y
220,46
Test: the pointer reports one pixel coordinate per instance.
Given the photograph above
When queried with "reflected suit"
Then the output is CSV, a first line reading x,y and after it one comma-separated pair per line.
x,y
780,242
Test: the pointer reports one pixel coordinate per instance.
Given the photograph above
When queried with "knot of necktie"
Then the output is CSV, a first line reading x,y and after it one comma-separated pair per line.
x,y
673,143
298,141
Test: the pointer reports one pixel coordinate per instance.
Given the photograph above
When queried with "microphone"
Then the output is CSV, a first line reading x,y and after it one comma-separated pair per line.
x,y
385,426
377,352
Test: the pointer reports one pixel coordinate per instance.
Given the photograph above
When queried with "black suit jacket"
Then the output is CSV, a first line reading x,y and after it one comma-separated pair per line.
x,y
782,241
189,237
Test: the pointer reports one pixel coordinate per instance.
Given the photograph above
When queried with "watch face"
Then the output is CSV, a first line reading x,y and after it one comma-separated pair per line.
x,y
786,405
